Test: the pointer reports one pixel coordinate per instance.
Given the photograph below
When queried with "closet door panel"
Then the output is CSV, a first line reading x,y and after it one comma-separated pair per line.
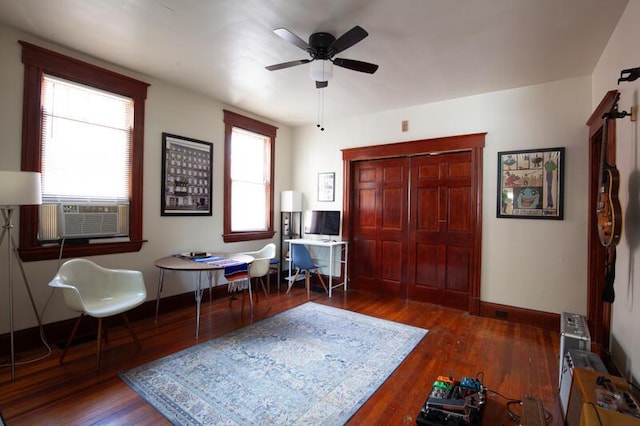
x,y
440,231
380,217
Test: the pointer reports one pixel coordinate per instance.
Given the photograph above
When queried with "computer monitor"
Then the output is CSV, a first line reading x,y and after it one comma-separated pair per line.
x,y
323,222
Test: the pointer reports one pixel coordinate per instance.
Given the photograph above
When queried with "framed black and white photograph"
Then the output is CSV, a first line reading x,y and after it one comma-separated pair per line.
x,y
326,186
531,184
186,176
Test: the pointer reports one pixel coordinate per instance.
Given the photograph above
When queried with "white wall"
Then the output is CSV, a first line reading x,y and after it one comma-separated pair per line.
x,y
533,264
168,109
623,52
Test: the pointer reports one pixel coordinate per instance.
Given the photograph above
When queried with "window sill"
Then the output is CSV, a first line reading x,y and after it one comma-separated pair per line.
x,y
247,236
81,250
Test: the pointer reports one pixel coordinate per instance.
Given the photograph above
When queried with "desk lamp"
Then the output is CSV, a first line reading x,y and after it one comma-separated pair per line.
x,y
16,189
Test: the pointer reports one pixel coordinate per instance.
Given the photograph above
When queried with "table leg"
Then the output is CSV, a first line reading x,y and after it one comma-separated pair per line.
x,y
160,281
250,298
330,270
210,277
346,265
198,300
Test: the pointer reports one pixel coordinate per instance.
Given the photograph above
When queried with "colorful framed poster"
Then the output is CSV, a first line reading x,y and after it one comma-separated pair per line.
x,y
531,184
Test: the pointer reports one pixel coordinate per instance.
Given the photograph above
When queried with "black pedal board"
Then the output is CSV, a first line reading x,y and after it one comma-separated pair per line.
x,y
453,403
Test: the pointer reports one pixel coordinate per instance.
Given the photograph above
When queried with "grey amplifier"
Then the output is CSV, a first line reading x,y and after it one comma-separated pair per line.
x,y
574,334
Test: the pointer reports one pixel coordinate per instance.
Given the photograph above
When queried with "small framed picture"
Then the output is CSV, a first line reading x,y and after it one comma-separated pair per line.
x,y
326,186
531,184
186,176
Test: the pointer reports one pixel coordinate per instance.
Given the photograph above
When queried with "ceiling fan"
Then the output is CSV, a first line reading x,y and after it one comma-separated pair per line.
x,y
322,48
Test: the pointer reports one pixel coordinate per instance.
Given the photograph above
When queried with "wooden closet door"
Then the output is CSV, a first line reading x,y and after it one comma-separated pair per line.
x,y
380,194
440,229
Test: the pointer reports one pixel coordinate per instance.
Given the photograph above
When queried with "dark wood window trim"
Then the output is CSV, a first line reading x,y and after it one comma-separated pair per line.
x,y
231,120
38,61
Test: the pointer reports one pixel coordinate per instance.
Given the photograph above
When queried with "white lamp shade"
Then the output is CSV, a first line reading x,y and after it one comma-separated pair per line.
x,y
291,201
321,70
20,188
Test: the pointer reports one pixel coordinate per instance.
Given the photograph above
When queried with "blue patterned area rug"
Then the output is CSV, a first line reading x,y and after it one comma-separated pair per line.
x,y
312,364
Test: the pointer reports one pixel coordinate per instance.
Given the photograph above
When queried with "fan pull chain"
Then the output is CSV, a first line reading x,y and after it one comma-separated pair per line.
x,y
320,124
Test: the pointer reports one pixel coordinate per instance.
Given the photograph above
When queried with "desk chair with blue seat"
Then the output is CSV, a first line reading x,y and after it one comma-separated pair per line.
x,y
302,261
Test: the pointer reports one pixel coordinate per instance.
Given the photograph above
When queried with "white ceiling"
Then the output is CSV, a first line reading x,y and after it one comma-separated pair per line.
x,y
428,50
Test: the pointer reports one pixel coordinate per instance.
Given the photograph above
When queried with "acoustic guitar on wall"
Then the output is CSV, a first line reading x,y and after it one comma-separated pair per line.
x,y
608,210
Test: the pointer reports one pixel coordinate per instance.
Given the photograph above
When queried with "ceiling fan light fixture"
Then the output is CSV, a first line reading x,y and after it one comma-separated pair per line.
x,y
321,70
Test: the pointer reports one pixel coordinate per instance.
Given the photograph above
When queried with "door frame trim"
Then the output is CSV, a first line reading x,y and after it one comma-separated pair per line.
x,y
472,142
598,312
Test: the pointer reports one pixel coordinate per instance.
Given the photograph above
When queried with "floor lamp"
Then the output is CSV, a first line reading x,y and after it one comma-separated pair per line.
x,y
16,189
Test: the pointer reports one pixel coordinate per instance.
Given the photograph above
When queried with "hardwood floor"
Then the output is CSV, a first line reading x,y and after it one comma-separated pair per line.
x,y
514,359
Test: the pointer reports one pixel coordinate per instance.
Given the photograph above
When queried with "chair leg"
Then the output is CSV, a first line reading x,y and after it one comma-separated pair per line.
x,y
257,293
307,279
322,281
293,280
71,336
99,342
264,289
133,333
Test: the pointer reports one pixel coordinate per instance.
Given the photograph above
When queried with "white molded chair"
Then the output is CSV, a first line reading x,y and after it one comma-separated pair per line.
x,y
99,292
260,267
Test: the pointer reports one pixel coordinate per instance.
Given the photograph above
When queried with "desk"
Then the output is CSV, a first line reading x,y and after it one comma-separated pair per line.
x,y
176,263
343,259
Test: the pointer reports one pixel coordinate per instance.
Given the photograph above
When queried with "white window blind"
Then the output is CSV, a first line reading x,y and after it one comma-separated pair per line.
x,y
250,180
85,143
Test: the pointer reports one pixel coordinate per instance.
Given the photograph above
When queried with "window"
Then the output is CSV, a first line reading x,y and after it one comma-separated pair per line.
x,y
248,178
83,128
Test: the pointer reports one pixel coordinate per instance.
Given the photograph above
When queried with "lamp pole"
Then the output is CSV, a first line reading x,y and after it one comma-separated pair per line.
x,y
7,213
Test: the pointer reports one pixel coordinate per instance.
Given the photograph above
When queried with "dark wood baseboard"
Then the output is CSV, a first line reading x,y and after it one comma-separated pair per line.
x,y
545,320
58,332
29,339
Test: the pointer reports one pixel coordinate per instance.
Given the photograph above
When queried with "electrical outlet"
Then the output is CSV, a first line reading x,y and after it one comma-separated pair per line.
x,y
405,125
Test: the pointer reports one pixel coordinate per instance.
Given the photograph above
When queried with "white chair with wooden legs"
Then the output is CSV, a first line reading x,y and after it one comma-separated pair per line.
x,y
99,292
260,267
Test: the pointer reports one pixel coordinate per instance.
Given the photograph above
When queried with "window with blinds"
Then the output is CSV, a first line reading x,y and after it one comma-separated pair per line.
x,y
86,144
250,180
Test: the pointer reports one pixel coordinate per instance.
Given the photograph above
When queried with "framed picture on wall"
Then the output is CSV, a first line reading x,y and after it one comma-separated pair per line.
x,y
531,184
326,186
186,176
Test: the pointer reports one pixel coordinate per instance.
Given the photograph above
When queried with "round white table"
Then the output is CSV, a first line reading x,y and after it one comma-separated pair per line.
x,y
184,264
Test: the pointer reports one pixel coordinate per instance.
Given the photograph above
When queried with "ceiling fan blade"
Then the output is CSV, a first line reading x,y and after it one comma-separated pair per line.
x,y
292,38
287,64
321,84
356,65
348,39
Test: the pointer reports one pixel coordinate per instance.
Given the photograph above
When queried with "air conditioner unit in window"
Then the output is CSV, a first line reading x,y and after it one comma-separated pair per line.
x,y
92,220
